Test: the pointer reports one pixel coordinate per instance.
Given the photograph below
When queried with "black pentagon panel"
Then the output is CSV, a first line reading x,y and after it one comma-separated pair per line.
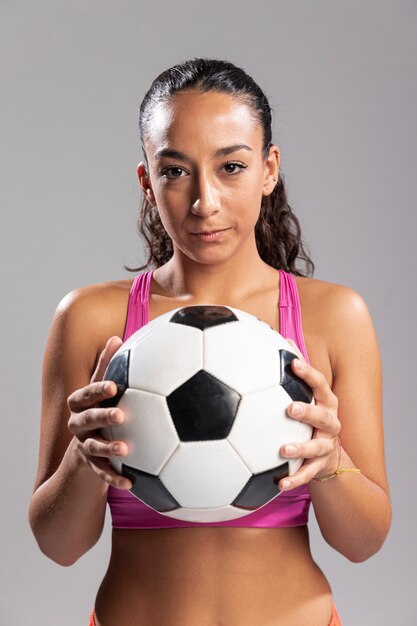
x,y
117,371
150,489
203,408
204,316
296,388
261,488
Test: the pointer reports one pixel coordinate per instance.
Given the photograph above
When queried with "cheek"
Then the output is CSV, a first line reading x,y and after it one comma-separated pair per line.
x,y
168,219
173,219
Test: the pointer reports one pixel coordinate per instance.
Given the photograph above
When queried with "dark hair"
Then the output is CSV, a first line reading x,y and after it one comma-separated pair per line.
x,y
277,231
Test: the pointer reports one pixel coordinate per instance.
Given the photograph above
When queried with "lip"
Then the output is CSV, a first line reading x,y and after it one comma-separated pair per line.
x,y
207,236
210,232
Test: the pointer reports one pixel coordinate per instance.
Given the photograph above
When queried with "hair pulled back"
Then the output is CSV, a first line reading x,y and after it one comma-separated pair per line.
x,y
277,231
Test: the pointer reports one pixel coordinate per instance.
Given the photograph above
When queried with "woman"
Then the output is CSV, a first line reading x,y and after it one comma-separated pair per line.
x,y
210,165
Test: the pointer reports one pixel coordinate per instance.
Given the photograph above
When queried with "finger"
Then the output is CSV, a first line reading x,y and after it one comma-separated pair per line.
x,y
102,468
98,447
294,345
308,470
320,447
112,345
316,381
82,423
91,395
320,416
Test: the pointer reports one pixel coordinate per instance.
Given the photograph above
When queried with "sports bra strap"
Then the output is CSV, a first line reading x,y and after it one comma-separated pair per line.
x,y
138,305
289,308
290,323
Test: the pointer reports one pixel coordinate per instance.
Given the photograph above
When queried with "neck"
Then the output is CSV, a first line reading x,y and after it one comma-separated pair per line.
x,y
232,280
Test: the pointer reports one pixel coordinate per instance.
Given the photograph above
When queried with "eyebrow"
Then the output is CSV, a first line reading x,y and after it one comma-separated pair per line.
x,y
176,154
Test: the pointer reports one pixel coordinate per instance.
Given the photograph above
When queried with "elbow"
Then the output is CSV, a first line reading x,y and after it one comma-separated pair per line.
x,y
360,556
49,546
66,560
357,553
58,554
363,551
55,552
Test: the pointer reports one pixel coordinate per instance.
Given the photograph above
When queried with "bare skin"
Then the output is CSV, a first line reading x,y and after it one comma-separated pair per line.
x,y
219,576
212,576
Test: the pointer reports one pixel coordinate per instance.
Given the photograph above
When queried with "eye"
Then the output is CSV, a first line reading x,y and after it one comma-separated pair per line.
x,y
177,168
241,167
168,169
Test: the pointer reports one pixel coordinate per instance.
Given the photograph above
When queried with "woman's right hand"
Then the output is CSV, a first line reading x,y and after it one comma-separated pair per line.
x,y
87,417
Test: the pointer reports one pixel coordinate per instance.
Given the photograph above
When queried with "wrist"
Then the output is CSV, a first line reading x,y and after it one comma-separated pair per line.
x,y
75,457
78,465
334,462
343,465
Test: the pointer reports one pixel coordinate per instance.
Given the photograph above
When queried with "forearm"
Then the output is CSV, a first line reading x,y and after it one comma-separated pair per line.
x,y
66,512
353,512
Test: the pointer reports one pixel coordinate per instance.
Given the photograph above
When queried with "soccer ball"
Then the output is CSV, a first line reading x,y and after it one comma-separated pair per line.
x,y
205,392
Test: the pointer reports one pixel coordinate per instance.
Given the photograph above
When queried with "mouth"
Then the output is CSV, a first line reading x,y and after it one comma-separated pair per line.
x,y
210,232
211,235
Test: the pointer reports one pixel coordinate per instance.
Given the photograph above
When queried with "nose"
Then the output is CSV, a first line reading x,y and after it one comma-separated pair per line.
x,y
207,200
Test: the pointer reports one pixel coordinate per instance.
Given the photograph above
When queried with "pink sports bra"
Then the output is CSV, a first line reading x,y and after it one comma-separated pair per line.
x,y
291,507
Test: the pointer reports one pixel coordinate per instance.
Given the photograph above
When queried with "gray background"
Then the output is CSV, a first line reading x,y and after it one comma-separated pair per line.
x,y
341,79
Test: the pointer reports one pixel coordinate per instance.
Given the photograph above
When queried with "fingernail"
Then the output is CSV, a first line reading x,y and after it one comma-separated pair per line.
x,y
299,364
290,449
296,409
114,416
286,484
116,448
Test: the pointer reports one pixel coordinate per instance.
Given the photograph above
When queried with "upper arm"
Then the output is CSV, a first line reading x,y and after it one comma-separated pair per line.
x,y
71,352
357,382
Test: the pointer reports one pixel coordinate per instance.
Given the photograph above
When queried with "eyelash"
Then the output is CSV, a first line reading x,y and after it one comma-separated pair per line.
x,y
242,167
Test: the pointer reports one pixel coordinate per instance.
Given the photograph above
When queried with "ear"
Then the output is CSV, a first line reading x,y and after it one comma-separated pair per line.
x,y
145,183
271,168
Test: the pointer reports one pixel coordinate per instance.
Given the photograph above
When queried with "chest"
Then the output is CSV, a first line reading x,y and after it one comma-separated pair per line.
x,y
265,306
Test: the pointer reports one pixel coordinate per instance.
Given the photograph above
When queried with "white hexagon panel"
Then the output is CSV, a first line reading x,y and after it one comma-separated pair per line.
x,y
262,426
165,358
148,430
195,473
250,361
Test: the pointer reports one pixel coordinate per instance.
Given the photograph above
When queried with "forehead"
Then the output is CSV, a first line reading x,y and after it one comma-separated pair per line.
x,y
209,119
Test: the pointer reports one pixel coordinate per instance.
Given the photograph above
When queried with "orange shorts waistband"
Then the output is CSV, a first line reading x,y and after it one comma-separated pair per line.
x,y
335,619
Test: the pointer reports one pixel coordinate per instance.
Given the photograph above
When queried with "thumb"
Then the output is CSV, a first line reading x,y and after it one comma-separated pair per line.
x,y
296,349
111,347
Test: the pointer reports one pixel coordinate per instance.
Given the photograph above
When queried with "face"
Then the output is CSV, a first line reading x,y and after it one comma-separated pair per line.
x,y
207,173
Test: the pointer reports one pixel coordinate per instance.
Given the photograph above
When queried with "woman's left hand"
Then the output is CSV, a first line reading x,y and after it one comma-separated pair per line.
x,y
321,452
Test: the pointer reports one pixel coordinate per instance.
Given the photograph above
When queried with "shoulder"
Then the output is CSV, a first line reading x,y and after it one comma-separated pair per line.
x,y
330,297
97,294
337,313
99,300
95,311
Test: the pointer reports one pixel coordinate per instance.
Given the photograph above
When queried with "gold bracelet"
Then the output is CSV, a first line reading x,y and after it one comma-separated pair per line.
x,y
340,470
